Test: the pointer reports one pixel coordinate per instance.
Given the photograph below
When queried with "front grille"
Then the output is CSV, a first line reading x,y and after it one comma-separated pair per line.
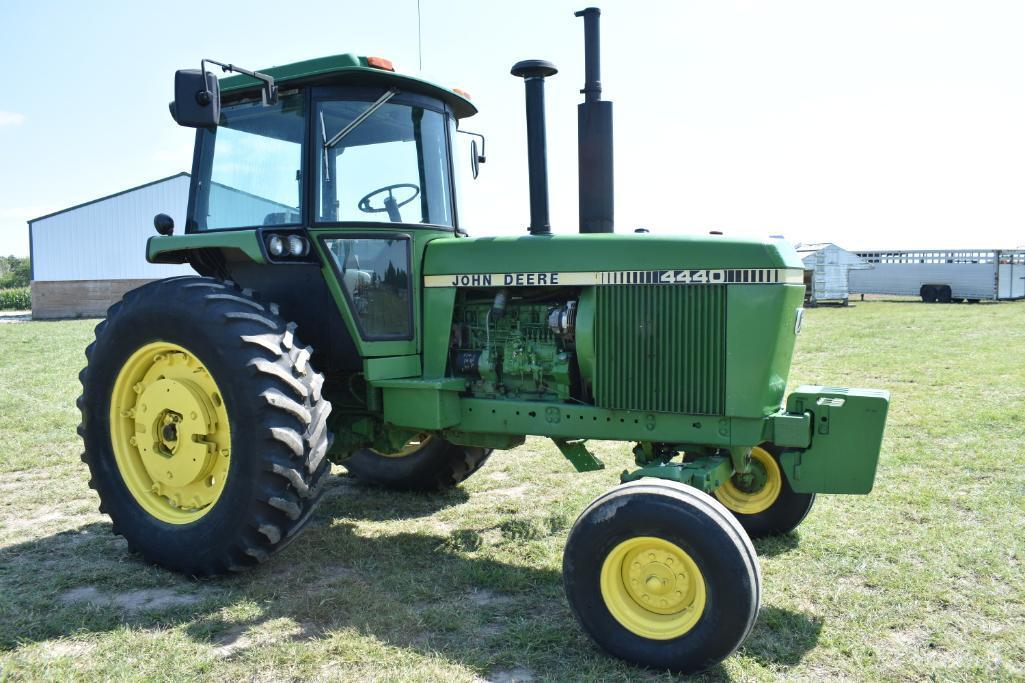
x,y
661,348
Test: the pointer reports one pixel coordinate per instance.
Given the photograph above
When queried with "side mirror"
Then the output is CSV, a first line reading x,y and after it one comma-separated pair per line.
x,y
476,156
197,99
475,159
164,224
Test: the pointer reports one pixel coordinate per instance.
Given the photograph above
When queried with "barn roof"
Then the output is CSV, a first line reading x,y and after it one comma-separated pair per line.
x,y
109,196
814,246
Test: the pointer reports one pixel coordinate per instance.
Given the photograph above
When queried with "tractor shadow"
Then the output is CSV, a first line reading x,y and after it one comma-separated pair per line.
x,y
432,592
771,546
349,496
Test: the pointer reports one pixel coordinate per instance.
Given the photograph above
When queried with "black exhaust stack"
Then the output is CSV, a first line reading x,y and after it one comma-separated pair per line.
x,y
594,135
533,72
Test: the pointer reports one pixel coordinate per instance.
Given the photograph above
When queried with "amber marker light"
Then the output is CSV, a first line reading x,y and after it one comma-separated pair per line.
x,y
380,63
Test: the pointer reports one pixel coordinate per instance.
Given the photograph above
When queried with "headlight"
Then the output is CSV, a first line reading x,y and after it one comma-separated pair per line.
x,y
297,246
275,245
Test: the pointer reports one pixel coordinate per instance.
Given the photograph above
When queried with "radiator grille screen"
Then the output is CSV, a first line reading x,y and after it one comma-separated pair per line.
x,y
661,348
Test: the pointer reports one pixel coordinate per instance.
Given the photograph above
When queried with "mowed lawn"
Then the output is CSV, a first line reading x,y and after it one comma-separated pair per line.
x,y
921,579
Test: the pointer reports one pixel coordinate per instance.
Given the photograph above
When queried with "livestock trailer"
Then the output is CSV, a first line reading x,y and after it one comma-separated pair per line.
x,y
943,276
826,272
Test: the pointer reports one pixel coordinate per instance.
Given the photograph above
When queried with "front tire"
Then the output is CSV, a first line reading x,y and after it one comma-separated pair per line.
x,y
427,464
771,507
204,425
660,574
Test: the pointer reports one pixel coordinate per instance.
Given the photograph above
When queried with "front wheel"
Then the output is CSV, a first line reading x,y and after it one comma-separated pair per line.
x,y
762,501
427,463
660,574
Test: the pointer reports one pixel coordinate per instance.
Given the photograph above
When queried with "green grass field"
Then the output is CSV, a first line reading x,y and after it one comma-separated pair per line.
x,y
922,579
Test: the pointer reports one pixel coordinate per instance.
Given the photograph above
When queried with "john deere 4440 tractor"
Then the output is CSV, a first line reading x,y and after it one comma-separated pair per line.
x,y
341,314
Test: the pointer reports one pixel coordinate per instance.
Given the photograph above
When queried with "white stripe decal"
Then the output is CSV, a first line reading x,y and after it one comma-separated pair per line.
x,y
768,276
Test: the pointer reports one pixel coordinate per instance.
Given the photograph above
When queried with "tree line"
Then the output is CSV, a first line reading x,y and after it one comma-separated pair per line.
x,y
14,272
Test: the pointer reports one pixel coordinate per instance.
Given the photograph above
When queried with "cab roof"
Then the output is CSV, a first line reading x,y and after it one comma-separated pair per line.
x,y
348,69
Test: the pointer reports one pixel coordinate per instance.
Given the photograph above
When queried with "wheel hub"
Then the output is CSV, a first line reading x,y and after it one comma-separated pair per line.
x,y
172,425
653,587
756,490
753,480
657,580
170,432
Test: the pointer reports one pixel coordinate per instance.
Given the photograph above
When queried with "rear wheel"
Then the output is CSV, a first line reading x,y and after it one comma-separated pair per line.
x,y
762,501
427,463
928,293
943,294
660,574
204,425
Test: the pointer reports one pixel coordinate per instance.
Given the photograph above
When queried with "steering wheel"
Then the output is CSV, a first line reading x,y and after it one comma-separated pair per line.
x,y
391,205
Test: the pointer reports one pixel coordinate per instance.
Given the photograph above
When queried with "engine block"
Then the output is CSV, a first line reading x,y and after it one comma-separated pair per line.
x,y
515,349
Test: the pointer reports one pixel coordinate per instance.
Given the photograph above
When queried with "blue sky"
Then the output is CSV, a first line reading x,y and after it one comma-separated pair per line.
x,y
871,124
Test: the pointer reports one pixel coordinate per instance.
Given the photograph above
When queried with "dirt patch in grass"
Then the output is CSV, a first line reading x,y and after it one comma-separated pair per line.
x,y
68,648
520,674
20,480
484,597
238,638
142,599
511,491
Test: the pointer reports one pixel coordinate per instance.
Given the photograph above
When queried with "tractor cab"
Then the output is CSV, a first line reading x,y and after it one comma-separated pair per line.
x,y
341,140
338,169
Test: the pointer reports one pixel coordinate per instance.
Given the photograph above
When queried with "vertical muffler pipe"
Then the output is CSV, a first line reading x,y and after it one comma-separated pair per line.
x,y
533,72
594,136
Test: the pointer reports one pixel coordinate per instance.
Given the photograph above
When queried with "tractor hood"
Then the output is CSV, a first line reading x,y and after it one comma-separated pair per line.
x,y
613,255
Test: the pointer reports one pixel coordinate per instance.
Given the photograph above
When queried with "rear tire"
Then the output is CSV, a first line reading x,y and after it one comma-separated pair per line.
x,y
260,390
435,465
928,293
660,574
773,509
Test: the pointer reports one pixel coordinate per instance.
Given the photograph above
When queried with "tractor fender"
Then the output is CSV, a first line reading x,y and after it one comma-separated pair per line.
x,y
234,244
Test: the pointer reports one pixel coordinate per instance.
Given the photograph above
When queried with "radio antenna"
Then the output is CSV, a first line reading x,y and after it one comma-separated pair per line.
x,y
419,38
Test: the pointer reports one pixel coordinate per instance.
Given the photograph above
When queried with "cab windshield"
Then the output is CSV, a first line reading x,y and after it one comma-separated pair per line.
x,y
382,162
390,166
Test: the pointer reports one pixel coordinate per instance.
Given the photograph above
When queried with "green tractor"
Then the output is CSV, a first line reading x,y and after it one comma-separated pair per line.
x,y
341,314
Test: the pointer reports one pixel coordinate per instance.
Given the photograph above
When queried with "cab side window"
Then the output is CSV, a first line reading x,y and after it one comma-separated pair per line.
x,y
375,276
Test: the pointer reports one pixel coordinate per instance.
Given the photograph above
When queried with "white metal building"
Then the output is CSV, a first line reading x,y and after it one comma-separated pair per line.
x,y
84,258
971,274
827,271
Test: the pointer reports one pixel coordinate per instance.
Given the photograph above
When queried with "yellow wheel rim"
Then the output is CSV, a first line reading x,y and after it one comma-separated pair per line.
x,y
653,588
411,447
170,433
737,499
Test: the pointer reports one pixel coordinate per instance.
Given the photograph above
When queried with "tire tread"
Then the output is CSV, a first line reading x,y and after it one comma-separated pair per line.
x,y
292,480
